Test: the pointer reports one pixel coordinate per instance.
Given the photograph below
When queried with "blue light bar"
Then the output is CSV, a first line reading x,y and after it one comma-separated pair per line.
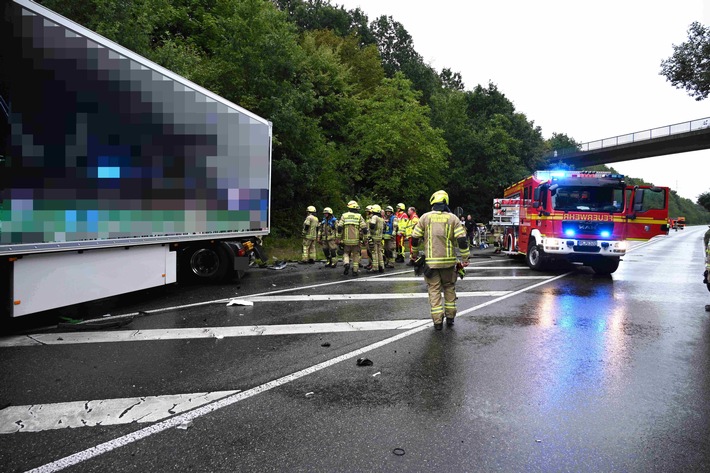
x,y
605,234
569,232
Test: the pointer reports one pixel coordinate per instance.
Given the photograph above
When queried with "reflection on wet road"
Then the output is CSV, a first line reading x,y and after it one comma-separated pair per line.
x,y
558,371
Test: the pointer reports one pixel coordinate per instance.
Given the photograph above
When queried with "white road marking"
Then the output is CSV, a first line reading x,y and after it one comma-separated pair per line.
x,y
211,332
368,296
497,268
63,415
468,278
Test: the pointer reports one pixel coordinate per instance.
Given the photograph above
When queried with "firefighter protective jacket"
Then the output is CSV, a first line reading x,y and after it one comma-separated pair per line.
x,y
377,227
326,229
310,227
351,227
441,231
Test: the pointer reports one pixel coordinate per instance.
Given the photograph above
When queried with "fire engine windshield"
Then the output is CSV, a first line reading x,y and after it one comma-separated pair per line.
x,y
588,199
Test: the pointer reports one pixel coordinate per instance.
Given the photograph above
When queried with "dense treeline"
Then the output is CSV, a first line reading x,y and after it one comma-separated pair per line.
x,y
357,113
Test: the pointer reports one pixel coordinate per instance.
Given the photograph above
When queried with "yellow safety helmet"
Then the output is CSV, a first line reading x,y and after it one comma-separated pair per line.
x,y
328,210
439,197
389,209
376,209
401,207
368,208
310,208
353,205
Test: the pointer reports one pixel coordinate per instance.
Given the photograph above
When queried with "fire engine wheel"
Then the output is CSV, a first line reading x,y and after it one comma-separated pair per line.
x,y
605,265
509,243
209,263
535,257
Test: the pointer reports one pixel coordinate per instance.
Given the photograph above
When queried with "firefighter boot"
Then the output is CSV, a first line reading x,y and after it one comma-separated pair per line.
x,y
347,269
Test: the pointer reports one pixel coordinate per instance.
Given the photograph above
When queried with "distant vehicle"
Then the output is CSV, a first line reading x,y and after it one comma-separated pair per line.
x,y
118,174
581,216
681,222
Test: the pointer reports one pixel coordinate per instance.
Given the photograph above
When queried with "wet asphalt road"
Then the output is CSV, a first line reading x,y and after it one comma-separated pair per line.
x,y
575,372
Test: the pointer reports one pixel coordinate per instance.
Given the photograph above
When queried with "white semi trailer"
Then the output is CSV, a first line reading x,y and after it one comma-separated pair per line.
x,y
116,174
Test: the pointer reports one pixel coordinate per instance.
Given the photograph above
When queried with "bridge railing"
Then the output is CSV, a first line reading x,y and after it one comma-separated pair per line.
x,y
660,132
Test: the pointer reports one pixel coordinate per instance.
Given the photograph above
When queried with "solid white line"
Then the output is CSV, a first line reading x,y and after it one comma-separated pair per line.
x,y
64,415
367,296
468,278
201,411
219,333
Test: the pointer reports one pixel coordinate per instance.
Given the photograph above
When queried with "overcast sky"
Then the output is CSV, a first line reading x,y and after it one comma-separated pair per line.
x,y
587,68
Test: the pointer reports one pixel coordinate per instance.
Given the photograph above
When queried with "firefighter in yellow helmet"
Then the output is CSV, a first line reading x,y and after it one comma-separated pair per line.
x,y
351,230
310,228
326,237
413,219
441,231
402,223
389,236
377,226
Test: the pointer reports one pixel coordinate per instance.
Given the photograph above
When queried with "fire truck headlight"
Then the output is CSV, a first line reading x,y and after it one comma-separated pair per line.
x,y
551,242
569,232
605,234
621,245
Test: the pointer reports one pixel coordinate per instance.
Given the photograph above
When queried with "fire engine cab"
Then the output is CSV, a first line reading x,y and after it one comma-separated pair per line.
x,y
585,217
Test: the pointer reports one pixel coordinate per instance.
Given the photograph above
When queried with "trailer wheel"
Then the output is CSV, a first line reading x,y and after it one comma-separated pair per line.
x,y
605,265
535,257
209,263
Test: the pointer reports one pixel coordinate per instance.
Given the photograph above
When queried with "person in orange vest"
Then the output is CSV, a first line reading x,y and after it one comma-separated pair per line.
x,y
413,220
402,222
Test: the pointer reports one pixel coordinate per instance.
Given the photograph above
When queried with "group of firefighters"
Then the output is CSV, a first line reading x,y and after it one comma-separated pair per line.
x,y
384,234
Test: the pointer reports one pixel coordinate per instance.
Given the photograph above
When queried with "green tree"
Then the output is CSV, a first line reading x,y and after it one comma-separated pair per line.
x,y
704,200
397,154
689,66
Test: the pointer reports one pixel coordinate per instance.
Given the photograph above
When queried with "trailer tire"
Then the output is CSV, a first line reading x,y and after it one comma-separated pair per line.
x,y
535,257
208,263
605,265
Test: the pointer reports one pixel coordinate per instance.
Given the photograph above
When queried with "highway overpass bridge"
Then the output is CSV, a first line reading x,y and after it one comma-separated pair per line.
x,y
672,139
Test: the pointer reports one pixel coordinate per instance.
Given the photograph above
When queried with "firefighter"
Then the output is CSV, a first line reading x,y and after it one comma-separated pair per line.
x,y
440,230
402,222
413,220
376,226
351,229
310,228
388,236
368,242
326,237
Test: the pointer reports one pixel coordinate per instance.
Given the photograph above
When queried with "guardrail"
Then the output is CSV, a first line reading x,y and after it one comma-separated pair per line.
x,y
644,135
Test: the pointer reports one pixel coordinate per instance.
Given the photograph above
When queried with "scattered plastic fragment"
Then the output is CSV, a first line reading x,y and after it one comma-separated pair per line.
x,y
376,374
309,394
185,425
364,362
326,344
240,302
538,440
278,265
398,451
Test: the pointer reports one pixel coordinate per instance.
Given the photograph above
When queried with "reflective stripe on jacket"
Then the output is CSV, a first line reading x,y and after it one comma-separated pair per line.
x,y
440,231
350,227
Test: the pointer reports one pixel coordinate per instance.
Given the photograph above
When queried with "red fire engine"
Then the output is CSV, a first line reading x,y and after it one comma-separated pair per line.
x,y
581,216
